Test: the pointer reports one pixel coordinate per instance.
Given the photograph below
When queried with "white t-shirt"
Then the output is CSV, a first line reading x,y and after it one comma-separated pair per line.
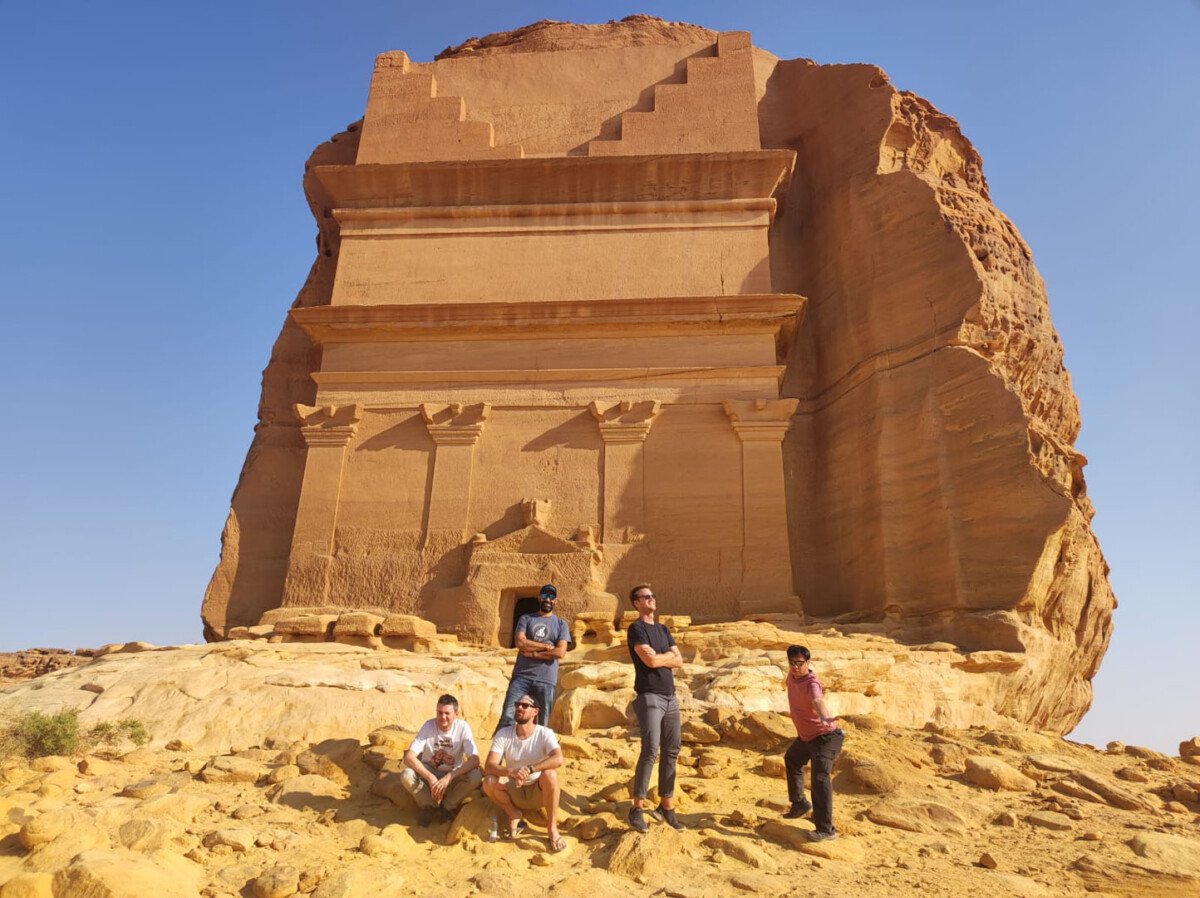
x,y
444,751
517,753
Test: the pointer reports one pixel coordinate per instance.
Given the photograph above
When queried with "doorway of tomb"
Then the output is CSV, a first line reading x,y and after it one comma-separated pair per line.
x,y
522,606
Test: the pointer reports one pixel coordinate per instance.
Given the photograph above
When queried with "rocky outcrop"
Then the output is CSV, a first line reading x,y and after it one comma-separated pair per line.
x,y
933,489
285,782
29,663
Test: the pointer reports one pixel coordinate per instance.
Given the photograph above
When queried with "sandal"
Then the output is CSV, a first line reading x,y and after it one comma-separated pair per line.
x,y
558,843
516,830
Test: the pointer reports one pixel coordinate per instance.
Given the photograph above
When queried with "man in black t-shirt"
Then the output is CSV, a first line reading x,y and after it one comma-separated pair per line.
x,y
654,655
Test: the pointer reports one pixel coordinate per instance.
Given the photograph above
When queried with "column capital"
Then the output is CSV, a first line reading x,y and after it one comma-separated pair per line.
x,y
761,420
455,424
625,421
328,425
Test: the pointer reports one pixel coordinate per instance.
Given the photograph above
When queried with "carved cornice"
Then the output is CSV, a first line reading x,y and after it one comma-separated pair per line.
x,y
761,420
491,182
455,424
773,313
625,421
328,425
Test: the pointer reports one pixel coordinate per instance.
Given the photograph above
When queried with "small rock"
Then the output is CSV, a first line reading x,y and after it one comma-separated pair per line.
x,y
1050,820
1005,818
1190,748
992,773
146,789
774,766
1131,775
237,839
178,745
28,885
1185,792
95,767
987,861
1140,751
282,774
229,769
280,881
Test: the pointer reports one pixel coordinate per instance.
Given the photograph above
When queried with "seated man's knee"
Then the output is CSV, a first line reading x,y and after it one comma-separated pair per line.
x,y
548,779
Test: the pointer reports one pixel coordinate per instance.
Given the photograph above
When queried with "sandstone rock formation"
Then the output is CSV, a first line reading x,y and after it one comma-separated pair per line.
x,y
605,303
272,769
30,663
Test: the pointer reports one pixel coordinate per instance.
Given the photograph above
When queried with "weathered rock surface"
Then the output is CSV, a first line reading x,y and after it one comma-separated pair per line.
x,y
966,499
30,663
1081,830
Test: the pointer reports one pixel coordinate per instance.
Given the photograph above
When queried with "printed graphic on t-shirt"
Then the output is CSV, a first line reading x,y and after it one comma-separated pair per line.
x,y
443,751
539,631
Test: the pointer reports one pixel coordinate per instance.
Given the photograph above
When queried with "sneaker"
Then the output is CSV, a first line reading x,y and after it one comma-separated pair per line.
x,y
819,836
638,820
426,816
798,809
667,816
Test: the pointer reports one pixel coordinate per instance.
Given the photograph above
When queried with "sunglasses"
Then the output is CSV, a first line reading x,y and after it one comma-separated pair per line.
x,y
525,705
649,596
799,662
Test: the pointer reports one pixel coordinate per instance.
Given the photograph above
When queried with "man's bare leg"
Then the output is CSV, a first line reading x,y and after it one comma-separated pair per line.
x,y
495,790
548,782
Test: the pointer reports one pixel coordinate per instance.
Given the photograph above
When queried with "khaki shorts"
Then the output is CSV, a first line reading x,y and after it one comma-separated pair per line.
x,y
527,797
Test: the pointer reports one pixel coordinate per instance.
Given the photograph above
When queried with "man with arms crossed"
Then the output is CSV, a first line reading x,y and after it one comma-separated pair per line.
x,y
654,655
818,740
540,640
528,776
441,764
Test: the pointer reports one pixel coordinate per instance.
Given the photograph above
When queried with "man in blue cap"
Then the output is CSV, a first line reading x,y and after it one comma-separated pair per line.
x,y
540,640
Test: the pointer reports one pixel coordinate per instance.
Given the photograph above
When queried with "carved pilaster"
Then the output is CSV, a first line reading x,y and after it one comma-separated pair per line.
x,y
767,583
327,431
455,429
624,427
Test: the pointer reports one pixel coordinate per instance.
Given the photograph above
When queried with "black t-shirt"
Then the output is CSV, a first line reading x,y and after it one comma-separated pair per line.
x,y
659,680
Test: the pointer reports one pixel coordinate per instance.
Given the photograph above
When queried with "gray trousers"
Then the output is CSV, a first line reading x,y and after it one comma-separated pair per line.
x,y
658,716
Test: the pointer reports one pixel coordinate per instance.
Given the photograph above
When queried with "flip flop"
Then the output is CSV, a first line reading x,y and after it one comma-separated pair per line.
x,y
558,843
516,830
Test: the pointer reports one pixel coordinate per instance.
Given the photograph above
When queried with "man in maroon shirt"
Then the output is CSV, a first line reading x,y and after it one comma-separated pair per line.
x,y
818,740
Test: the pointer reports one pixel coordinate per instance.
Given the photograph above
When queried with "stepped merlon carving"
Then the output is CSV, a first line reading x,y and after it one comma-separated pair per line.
x,y
714,111
406,120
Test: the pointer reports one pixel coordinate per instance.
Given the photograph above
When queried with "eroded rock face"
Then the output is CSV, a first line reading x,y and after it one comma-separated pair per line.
x,y
932,491
313,807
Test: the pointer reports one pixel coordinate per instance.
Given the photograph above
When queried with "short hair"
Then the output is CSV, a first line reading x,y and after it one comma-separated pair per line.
x,y
448,699
798,651
633,592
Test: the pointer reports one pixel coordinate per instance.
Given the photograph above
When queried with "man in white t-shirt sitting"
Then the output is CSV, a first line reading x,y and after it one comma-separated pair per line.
x,y
442,763
528,777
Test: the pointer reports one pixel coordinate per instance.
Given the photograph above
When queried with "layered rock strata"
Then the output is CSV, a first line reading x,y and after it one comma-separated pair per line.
x,y
867,420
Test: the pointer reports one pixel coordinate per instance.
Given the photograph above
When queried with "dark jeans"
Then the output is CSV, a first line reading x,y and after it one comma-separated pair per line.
x,y
658,717
522,684
821,751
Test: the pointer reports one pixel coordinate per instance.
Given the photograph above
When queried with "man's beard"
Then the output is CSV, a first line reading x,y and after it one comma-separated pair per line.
x,y
546,606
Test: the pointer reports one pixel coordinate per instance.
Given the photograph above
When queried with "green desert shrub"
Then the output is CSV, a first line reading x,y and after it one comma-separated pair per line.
x,y
109,733
35,734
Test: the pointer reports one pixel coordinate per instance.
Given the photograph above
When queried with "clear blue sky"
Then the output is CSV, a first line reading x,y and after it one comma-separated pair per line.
x,y
155,232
